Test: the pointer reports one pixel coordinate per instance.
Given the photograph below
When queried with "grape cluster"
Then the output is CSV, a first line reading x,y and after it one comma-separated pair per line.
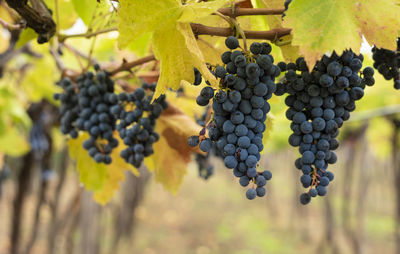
x,y
319,102
240,109
96,98
387,62
137,119
69,109
86,106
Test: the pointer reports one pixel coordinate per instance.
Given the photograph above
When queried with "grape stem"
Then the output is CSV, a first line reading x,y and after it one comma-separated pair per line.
x,y
199,29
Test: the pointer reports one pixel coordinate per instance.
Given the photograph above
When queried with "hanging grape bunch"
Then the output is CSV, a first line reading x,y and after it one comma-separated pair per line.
x,y
91,112
387,62
319,102
239,110
69,109
137,119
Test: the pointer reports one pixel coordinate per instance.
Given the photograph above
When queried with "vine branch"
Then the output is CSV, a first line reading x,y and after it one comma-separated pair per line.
x,y
127,66
273,34
250,11
37,17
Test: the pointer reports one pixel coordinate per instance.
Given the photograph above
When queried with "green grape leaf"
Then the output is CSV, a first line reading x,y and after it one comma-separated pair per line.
x,y
324,26
91,174
66,12
85,9
174,43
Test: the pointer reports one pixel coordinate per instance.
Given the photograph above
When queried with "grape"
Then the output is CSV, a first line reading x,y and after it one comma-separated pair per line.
x,y
207,92
319,102
267,175
205,145
251,194
239,111
244,181
387,62
232,42
260,180
260,191
230,161
226,57
197,79
313,193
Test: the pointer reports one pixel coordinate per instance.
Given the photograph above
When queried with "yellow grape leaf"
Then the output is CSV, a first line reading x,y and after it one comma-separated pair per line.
x,y
178,53
193,12
115,175
174,43
137,17
110,175
379,21
171,152
141,45
212,54
323,26
91,174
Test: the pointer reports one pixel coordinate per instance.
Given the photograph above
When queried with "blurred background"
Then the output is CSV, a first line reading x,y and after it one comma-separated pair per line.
x,y
44,209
